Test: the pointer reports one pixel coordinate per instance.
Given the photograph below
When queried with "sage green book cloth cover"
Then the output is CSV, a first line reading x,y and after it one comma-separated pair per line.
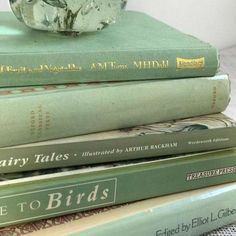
x,y
182,213
190,135
32,114
30,196
137,47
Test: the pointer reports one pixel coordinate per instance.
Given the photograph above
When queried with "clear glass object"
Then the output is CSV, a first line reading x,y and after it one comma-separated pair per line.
x,y
67,15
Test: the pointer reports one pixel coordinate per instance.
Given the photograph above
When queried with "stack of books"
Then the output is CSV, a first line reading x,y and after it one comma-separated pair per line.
x,y
96,129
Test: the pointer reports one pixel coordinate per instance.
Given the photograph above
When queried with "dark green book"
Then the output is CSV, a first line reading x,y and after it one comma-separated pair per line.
x,y
196,134
138,47
39,195
188,213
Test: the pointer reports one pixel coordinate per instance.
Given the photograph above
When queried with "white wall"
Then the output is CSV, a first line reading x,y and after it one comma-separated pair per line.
x,y
211,20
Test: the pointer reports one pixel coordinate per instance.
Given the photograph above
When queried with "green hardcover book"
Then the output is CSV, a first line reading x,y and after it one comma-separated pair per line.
x,y
25,197
188,213
197,134
34,114
138,47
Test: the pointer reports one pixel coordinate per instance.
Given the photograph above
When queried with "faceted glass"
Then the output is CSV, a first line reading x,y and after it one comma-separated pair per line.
x,y
67,15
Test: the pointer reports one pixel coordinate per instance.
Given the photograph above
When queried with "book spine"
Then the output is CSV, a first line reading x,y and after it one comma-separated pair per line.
x,y
67,193
101,151
74,112
192,216
61,68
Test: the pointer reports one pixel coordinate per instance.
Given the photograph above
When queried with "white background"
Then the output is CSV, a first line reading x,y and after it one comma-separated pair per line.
x,y
210,20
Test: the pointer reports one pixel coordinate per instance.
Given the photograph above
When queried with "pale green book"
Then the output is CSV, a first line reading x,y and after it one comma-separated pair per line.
x,y
137,47
190,213
32,114
32,196
202,133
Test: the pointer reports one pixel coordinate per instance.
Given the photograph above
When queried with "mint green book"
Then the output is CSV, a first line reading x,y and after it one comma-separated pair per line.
x,y
39,195
189,213
137,47
204,133
32,114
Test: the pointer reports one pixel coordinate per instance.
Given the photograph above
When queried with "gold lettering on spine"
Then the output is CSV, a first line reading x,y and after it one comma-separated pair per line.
x,y
40,69
146,65
110,65
190,63
1,69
